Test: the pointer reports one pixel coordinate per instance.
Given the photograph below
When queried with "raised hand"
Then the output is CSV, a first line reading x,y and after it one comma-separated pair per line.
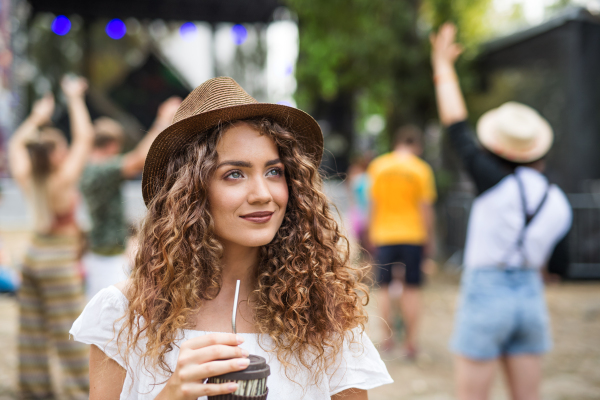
x,y
43,109
444,49
74,86
201,358
167,110
444,52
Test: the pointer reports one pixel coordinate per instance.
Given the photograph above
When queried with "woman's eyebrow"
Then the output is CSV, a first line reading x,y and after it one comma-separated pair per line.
x,y
247,164
272,162
243,164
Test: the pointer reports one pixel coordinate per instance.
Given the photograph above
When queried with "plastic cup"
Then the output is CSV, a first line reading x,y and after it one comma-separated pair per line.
x,y
252,382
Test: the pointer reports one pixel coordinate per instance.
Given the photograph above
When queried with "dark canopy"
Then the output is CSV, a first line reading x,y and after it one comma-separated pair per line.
x,y
236,11
555,68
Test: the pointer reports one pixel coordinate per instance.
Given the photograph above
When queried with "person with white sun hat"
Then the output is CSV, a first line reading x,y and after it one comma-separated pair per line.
x,y
517,227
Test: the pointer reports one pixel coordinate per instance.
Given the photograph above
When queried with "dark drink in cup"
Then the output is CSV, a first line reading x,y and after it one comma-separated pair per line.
x,y
252,382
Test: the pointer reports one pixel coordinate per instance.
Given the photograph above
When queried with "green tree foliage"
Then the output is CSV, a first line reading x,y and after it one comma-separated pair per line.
x,y
376,51
471,16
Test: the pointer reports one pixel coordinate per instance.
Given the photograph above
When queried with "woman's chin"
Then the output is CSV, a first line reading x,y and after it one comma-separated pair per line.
x,y
252,239
260,241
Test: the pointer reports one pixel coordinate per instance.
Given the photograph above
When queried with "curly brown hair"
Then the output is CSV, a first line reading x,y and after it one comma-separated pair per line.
x,y
307,296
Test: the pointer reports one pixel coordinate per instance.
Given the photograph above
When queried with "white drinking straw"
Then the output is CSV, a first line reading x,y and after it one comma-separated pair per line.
x,y
235,302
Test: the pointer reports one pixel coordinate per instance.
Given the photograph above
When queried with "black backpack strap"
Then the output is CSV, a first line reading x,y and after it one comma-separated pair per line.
x,y
527,217
530,217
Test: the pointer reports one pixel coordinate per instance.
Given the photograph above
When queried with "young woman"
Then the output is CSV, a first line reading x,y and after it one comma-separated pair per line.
x,y
51,295
517,222
233,192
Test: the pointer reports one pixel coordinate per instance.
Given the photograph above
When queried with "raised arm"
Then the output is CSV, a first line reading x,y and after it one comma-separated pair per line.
x,y
133,162
18,155
82,131
444,52
485,170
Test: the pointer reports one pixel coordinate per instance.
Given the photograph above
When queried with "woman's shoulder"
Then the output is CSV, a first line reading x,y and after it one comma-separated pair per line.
x,y
359,365
101,320
101,312
115,293
123,286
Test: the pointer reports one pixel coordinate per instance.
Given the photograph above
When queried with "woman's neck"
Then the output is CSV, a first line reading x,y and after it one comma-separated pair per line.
x,y
239,262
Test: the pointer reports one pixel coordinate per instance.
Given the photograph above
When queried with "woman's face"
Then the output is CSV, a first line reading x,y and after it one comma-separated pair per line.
x,y
248,193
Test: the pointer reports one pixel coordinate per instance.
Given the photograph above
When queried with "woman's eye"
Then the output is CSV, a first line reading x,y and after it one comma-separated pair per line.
x,y
274,172
235,175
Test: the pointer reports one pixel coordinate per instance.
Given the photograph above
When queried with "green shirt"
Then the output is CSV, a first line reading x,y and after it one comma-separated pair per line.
x,y
101,188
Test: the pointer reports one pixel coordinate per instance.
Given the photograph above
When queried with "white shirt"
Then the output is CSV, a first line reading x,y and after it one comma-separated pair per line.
x,y
497,219
358,366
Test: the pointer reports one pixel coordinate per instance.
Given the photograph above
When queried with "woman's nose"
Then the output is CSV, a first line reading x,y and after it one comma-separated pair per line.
x,y
260,193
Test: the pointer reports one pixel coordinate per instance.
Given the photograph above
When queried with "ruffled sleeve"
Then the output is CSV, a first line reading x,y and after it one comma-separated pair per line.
x,y
98,325
359,366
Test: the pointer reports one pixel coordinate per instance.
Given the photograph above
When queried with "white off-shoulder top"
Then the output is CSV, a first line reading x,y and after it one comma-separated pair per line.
x,y
358,365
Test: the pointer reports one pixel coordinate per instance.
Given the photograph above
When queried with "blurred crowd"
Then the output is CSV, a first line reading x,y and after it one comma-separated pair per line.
x,y
516,234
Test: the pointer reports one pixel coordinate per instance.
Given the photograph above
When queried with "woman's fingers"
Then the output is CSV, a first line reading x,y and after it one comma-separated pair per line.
x,y
457,50
44,108
212,353
195,390
74,86
212,339
444,47
448,31
199,372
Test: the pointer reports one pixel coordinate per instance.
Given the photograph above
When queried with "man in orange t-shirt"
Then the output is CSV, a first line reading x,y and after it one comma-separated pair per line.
x,y
401,227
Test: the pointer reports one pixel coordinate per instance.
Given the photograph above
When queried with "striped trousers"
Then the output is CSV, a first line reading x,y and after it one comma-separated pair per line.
x,y
50,299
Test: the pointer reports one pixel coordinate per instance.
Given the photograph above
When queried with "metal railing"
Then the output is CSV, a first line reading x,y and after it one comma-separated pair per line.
x,y
584,237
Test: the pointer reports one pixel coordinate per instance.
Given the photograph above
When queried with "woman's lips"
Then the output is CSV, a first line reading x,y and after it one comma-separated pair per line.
x,y
259,217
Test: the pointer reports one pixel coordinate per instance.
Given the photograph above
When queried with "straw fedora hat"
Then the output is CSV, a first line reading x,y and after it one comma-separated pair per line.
x,y
515,132
218,101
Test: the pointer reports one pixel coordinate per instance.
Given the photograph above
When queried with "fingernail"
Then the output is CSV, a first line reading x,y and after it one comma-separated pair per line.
x,y
245,353
243,362
232,387
239,339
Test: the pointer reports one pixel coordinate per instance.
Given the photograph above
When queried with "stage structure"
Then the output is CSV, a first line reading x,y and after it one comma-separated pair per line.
x,y
213,11
161,74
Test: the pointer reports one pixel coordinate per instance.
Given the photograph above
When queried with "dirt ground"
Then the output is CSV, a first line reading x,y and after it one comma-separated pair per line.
x,y
571,370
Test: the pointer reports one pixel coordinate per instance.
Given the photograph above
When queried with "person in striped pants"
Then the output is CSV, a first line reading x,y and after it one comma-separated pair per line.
x,y
51,295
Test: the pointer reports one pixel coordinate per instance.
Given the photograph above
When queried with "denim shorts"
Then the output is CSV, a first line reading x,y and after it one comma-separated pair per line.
x,y
502,312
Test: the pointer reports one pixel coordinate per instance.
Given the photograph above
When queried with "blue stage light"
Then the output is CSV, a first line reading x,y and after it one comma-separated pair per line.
x,y
188,31
289,69
116,29
239,33
61,25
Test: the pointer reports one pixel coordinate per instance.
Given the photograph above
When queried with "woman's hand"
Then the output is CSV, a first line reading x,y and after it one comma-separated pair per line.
x,y
444,49
167,110
444,52
42,110
201,358
74,86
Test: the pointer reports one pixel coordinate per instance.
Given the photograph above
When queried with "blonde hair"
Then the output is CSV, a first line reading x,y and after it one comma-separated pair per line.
x,y
40,150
